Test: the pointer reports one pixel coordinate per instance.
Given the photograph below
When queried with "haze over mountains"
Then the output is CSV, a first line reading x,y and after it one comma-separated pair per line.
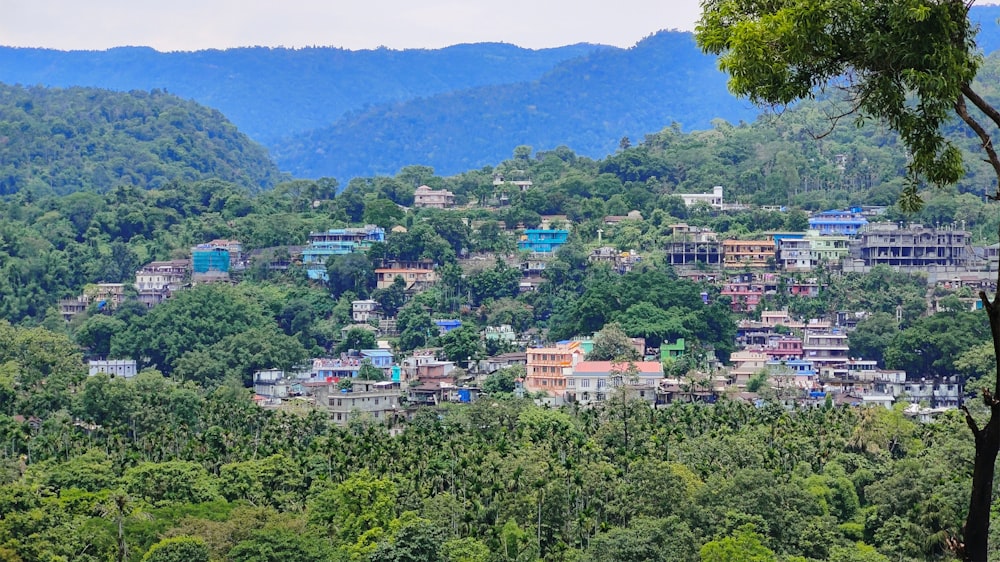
x,y
332,112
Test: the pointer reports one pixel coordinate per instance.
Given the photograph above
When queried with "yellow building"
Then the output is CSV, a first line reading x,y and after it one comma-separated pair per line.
x,y
737,254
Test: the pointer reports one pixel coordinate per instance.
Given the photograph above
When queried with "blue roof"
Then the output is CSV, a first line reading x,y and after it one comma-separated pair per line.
x,y
376,352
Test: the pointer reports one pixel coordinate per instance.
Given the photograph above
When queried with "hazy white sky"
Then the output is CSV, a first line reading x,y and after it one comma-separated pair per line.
x,y
187,25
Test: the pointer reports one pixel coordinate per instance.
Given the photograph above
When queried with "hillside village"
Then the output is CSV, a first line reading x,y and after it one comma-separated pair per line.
x,y
798,360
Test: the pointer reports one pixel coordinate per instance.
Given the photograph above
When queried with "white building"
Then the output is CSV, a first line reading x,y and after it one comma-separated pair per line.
x,y
713,199
124,368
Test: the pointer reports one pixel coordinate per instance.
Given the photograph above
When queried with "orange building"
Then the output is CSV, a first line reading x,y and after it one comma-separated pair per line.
x,y
747,253
547,367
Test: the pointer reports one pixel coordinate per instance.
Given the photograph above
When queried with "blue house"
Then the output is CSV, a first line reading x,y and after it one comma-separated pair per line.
x,y
446,326
838,222
542,241
381,358
337,242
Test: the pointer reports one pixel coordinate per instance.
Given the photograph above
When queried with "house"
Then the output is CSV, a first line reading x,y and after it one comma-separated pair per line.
x,y
713,199
365,310
426,198
825,347
807,288
745,296
123,368
590,382
794,253
416,279
337,242
271,383
547,367
517,178
106,297
379,401
502,333
381,358
622,262
435,370
672,350
447,325
838,222
754,254
542,241
157,281
504,360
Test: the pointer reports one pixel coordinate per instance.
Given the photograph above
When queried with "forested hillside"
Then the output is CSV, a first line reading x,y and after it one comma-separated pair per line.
x,y
272,93
85,139
144,469
588,103
179,462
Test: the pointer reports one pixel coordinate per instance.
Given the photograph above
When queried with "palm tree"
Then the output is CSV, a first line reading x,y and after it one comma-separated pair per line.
x,y
120,507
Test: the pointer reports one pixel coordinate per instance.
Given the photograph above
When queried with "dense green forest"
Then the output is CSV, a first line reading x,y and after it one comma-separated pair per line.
x,y
271,93
588,103
155,464
85,139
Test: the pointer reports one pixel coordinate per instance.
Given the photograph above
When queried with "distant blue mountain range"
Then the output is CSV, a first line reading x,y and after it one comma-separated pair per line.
x,y
333,112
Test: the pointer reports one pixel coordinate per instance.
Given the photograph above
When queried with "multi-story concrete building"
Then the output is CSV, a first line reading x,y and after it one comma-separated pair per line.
x,y
754,254
745,296
415,278
212,261
792,373
426,198
838,222
745,364
596,381
825,348
377,400
713,199
913,246
337,242
794,253
691,245
156,281
542,241
365,310
105,297
828,249
124,368
547,367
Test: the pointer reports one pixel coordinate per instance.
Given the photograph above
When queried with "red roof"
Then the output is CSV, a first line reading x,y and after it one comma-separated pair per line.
x,y
644,367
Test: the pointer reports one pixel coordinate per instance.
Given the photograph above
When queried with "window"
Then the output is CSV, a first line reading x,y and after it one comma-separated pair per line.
x,y
585,383
601,383
376,401
338,416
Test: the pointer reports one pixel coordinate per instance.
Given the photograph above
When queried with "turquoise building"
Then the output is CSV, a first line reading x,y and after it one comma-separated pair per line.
x,y
542,241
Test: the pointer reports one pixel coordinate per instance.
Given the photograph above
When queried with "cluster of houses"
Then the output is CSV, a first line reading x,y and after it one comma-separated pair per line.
x,y
801,362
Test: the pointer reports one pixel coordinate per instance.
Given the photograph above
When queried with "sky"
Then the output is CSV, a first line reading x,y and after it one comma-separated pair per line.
x,y
190,25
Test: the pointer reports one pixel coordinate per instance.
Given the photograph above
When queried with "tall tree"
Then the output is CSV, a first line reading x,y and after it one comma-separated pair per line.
x,y
910,64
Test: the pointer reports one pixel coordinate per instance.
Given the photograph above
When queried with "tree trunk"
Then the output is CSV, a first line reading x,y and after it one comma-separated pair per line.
x,y
977,524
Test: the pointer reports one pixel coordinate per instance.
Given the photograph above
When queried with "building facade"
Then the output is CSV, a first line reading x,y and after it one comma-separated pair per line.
x,y
542,241
426,198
